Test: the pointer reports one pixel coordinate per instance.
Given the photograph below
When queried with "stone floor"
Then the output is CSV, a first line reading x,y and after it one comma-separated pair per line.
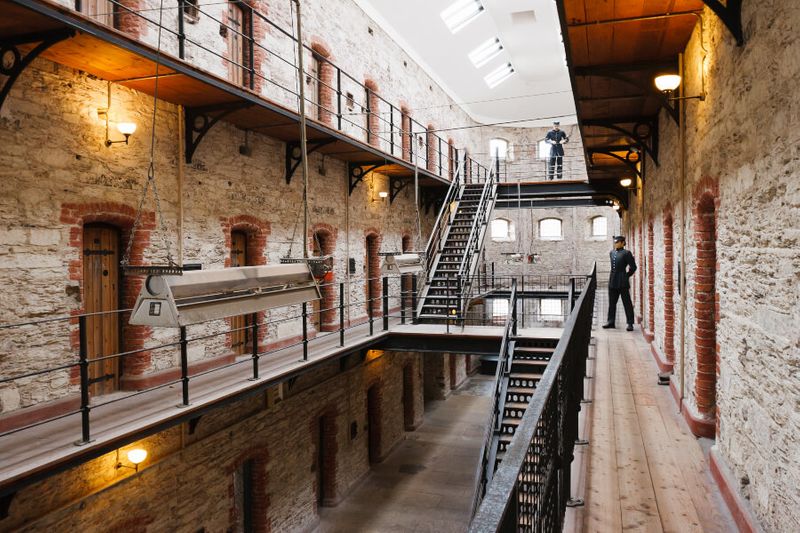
x,y
426,483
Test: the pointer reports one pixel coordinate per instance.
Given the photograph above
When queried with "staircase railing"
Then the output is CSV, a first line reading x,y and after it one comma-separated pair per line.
x,y
531,487
443,221
468,262
485,468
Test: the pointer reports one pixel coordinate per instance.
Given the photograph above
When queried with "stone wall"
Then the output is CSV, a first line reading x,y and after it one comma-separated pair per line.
x,y
574,253
186,483
739,214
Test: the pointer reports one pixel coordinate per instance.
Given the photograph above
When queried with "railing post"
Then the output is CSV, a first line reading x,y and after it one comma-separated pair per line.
x,y
440,155
385,303
572,294
494,282
391,129
305,331
339,97
181,34
252,53
413,298
403,298
184,367
84,372
255,346
341,314
369,305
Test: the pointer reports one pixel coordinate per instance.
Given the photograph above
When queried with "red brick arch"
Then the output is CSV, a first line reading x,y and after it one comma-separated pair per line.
x,y
433,154
706,306
372,242
121,216
322,52
329,418
326,235
257,231
669,287
260,495
651,282
405,131
373,118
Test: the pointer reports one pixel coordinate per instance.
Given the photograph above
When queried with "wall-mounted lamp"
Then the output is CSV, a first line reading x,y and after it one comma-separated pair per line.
x,y
125,128
626,182
667,83
383,195
135,457
615,207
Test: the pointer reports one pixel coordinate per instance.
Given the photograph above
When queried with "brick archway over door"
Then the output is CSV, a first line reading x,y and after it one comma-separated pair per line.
x,y
705,305
669,289
323,241
651,281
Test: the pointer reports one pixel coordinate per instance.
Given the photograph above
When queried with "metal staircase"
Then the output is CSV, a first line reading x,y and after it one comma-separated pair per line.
x,y
454,248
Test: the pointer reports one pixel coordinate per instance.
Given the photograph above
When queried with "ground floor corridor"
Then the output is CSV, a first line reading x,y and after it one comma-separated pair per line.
x,y
643,470
427,482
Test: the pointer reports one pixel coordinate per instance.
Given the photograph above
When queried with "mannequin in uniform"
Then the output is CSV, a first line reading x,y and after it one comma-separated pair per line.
x,y
623,265
556,138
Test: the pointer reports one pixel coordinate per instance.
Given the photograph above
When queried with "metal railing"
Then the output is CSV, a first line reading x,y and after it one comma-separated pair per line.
x,y
531,487
443,222
78,373
477,232
485,468
340,101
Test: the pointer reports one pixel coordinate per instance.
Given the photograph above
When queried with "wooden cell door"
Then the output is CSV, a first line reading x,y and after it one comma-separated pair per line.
x,y
238,259
101,282
235,43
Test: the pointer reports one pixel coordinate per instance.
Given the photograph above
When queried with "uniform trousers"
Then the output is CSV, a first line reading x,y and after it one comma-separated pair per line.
x,y
613,296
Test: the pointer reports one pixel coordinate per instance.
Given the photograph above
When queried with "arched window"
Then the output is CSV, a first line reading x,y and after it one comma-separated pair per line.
x,y
599,226
550,229
500,148
502,230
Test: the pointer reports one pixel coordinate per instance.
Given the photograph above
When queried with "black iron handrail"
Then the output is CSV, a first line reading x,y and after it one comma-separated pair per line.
x,y
531,487
485,466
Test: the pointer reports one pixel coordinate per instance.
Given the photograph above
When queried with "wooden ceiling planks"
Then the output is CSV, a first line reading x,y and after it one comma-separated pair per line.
x,y
599,36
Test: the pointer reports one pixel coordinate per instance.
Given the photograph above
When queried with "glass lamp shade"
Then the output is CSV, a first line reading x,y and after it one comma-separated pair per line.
x,y
126,128
625,182
667,82
383,194
137,455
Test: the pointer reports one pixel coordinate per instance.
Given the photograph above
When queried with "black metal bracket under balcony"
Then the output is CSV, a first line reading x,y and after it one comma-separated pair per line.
x,y
357,171
395,186
14,59
294,156
81,43
642,131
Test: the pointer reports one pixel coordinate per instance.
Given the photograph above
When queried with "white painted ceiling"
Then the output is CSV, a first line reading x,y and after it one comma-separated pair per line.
x,y
539,90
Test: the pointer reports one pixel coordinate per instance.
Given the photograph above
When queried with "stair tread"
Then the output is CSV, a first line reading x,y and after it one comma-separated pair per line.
x,y
525,375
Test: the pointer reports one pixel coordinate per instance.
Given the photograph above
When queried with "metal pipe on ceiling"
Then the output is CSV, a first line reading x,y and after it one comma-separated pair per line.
x,y
633,19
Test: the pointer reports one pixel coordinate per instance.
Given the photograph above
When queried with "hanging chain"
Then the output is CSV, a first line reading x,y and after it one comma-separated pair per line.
x,y
151,173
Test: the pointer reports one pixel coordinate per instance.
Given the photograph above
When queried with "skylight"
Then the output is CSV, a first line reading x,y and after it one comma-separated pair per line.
x,y
461,13
499,75
486,52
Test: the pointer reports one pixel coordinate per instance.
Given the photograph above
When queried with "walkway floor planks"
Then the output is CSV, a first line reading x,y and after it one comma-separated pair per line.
x,y
643,469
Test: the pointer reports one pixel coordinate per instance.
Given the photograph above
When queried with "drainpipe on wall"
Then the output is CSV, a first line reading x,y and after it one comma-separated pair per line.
x,y
180,176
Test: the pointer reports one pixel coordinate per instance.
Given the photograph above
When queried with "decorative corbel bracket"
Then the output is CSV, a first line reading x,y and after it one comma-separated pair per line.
x,y
357,171
294,156
730,14
12,60
644,132
395,186
198,121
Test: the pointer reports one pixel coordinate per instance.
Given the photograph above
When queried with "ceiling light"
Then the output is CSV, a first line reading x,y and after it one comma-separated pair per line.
x,y
461,13
486,52
626,182
499,75
667,82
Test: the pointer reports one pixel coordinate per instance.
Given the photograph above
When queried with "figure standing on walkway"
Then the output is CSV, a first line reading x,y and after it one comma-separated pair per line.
x,y
556,138
623,265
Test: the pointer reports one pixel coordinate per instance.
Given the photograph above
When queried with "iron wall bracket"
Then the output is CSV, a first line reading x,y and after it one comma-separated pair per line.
x,y
644,132
198,121
611,152
395,186
294,157
730,14
357,171
12,61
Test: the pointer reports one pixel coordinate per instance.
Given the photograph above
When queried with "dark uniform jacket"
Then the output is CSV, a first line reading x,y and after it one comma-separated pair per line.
x,y
620,261
555,137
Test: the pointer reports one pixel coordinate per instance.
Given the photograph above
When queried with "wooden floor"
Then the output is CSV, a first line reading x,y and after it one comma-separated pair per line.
x,y
642,470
